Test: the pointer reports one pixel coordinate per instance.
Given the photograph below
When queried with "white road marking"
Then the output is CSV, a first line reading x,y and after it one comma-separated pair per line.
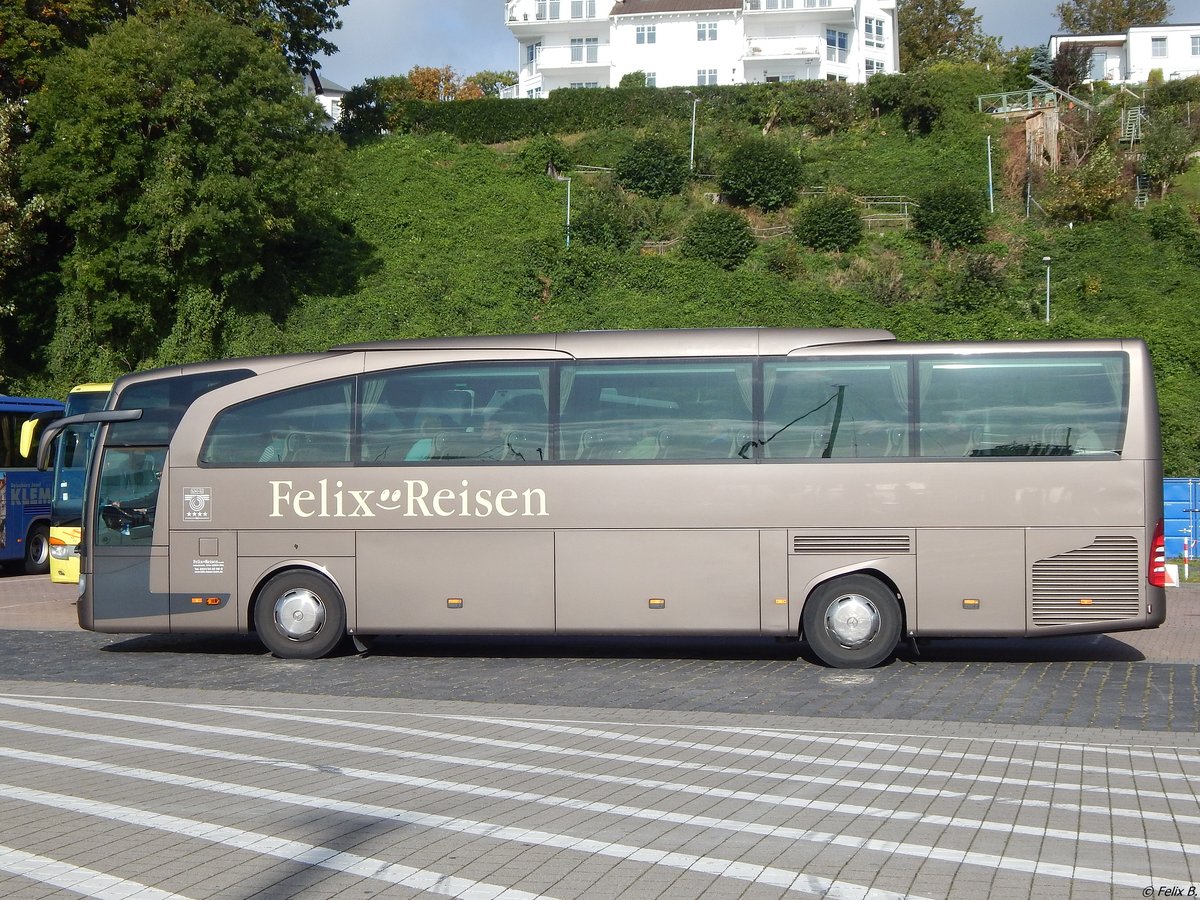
x,y
78,879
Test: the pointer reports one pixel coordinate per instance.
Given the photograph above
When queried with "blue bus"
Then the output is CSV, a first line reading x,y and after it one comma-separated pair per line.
x,y
25,492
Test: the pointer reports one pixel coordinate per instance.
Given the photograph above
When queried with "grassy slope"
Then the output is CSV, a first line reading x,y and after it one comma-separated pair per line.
x,y
467,243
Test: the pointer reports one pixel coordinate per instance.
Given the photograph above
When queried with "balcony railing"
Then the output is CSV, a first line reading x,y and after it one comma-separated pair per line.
x,y
587,56
798,46
1015,102
770,6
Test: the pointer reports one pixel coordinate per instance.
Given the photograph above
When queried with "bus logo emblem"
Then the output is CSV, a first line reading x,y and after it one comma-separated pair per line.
x,y
197,504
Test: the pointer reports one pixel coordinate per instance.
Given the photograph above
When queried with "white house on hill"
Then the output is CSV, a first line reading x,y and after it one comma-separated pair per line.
x,y
1133,54
593,43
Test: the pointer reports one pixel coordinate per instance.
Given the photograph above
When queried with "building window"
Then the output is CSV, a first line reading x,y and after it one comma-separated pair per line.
x,y
548,9
1196,45
583,9
651,79
706,76
706,31
531,53
585,50
873,32
813,4
831,77
585,84
534,93
1158,47
874,67
780,4
837,45
647,34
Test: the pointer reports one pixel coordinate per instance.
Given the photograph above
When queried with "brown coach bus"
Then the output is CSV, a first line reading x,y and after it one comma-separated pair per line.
x,y
834,485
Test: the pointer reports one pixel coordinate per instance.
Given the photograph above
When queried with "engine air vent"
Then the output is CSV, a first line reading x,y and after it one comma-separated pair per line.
x,y
1096,583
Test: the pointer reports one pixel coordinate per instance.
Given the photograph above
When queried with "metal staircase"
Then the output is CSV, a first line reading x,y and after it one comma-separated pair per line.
x,y
1133,118
1141,194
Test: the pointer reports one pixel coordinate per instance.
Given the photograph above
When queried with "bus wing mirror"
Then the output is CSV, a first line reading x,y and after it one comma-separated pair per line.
x,y
30,427
55,428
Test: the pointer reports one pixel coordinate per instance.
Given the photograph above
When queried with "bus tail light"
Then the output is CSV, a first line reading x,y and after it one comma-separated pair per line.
x,y
1157,570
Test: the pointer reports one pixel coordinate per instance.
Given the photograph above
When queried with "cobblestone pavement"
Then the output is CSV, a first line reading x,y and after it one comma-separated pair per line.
x,y
158,766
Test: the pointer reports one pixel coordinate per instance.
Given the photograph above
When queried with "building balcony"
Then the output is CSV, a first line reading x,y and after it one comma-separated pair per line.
x,y
530,18
777,8
800,46
561,59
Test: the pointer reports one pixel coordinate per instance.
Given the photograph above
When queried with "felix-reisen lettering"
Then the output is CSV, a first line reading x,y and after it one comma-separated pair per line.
x,y
415,499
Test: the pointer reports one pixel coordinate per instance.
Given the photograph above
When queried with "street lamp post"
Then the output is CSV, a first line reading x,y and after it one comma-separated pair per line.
x,y
692,152
1046,260
568,181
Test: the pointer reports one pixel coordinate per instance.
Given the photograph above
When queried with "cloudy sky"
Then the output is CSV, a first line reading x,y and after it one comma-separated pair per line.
x,y
389,37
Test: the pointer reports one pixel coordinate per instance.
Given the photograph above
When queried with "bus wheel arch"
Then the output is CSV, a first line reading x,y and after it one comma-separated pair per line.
x,y
853,621
37,549
299,613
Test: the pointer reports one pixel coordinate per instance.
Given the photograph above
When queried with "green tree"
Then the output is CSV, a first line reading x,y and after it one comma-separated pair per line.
x,y
761,172
721,236
17,216
951,214
1070,66
653,166
490,82
603,218
544,154
186,167
941,29
34,32
1110,16
1167,148
368,108
831,222
633,80
1088,191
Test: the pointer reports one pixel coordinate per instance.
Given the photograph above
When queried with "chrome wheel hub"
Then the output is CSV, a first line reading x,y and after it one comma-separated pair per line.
x,y
852,620
299,614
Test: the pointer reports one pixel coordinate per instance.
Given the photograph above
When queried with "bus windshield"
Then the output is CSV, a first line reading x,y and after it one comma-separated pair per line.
x,y
74,447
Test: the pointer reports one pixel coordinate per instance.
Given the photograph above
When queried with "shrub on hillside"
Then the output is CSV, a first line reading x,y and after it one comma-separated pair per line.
x,y
761,172
602,218
542,153
1172,224
654,167
951,214
830,222
720,235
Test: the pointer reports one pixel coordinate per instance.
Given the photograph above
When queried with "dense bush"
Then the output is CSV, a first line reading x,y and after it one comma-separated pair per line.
x,y
654,167
543,153
762,172
602,218
721,236
951,214
1172,224
829,222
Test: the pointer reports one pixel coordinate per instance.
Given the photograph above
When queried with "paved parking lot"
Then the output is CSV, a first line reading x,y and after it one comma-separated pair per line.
x,y
155,766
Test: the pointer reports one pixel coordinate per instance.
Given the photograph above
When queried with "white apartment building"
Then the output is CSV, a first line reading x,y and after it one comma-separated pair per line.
x,y
1131,56
593,43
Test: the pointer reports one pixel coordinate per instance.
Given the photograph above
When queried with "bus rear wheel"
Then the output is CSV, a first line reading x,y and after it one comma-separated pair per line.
x,y
852,622
37,551
300,615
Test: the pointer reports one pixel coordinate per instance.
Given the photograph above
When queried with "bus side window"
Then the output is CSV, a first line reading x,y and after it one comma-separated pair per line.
x,y
467,414
309,425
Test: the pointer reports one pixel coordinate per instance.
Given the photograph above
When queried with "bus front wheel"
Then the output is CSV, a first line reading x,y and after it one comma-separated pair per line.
x,y
300,615
852,622
37,551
